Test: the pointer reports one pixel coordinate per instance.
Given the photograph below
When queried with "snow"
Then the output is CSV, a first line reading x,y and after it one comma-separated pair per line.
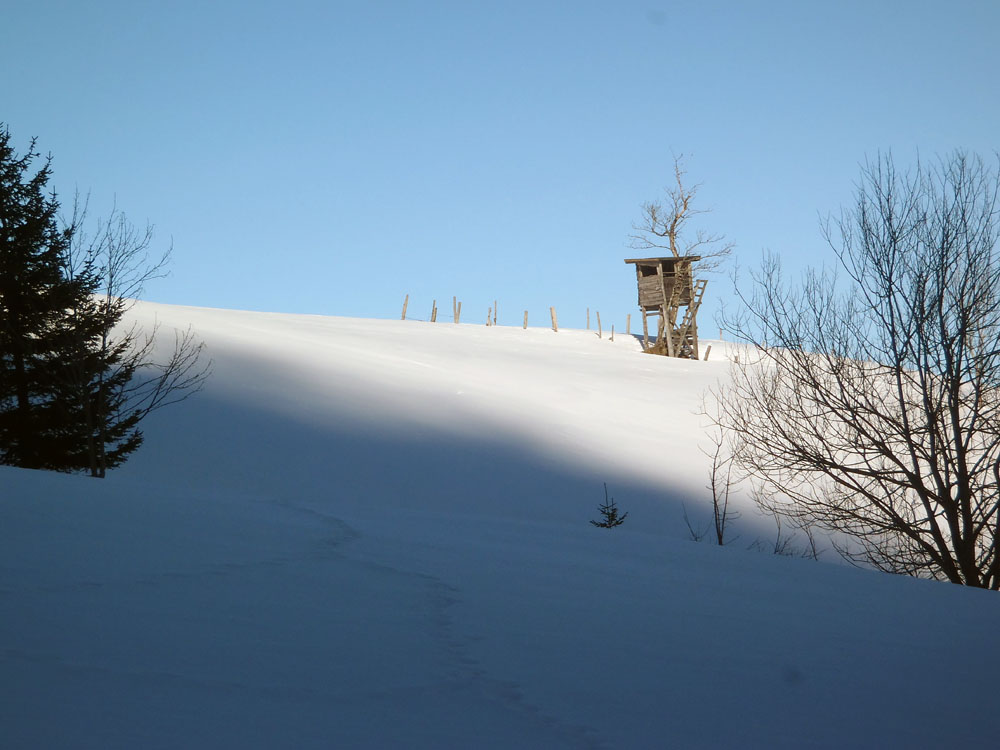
x,y
370,534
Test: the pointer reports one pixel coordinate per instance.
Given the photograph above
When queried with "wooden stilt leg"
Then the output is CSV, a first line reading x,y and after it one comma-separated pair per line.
x,y
667,326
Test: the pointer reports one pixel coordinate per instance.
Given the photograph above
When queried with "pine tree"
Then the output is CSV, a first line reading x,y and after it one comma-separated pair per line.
x,y
92,385
37,337
70,395
609,513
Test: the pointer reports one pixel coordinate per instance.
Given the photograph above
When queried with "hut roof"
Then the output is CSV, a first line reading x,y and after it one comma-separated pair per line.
x,y
667,259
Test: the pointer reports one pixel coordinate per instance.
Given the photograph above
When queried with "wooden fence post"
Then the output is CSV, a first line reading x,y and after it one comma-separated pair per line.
x,y
588,318
628,324
555,324
600,333
489,315
458,312
434,311
526,320
405,303
495,308
707,352
612,331
454,308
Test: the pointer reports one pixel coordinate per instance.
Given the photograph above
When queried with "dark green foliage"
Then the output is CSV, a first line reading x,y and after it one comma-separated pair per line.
x,y
38,337
73,384
609,513
92,389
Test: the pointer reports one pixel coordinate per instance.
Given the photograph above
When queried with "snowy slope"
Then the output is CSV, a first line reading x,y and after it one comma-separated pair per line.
x,y
372,533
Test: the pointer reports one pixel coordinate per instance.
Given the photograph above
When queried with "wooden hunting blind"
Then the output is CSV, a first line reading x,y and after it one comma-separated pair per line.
x,y
665,286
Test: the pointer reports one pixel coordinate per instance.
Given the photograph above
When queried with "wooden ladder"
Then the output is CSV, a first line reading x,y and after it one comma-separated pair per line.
x,y
685,347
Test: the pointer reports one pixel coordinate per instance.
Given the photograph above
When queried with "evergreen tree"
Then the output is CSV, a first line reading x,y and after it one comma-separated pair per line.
x,y
37,334
92,385
74,383
609,513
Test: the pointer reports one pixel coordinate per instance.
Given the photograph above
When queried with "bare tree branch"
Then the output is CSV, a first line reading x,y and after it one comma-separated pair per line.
x,y
720,484
872,405
662,227
116,379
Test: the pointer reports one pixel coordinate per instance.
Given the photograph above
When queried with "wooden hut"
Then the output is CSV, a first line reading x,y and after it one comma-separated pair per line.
x,y
665,286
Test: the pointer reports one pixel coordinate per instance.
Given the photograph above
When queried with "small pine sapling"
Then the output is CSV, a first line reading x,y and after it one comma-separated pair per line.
x,y
609,513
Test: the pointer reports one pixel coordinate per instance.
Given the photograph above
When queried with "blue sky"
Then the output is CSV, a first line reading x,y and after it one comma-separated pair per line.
x,y
330,157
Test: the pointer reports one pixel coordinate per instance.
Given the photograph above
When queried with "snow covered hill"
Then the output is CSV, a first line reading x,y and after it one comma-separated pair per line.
x,y
370,534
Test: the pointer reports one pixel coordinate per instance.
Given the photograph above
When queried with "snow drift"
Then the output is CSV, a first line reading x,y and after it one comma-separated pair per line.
x,y
371,533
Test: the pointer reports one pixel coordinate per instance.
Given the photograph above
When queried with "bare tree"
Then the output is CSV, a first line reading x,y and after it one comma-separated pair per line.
x,y
663,226
720,484
117,380
697,533
872,406
782,545
785,541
